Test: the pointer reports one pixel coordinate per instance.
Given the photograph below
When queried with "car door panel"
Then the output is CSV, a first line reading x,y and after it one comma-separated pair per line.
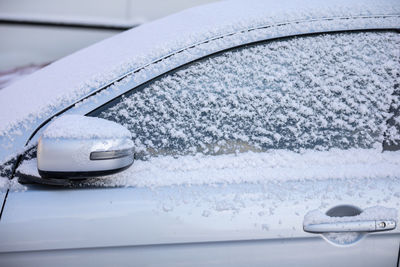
x,y
240,253
254,224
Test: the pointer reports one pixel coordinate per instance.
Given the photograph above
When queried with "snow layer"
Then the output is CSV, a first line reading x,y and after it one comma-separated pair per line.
x,y
3,184
317,92
12,185
250,167
77,126
168,43
67,80
269,204
278,165
29,167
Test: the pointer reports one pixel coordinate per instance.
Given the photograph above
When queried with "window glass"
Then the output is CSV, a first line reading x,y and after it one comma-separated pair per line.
x,y
315,92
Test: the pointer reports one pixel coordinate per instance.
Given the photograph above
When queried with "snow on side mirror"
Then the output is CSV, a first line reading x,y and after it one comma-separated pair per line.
x,y
75,146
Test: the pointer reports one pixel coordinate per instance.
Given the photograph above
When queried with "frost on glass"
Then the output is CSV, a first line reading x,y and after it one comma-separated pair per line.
x,y
315,92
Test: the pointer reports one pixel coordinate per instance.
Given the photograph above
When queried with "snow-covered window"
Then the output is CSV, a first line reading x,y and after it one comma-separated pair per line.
x,y
314,92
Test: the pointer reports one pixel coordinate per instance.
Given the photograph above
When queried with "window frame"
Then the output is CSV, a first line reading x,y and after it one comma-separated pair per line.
x,y
115,100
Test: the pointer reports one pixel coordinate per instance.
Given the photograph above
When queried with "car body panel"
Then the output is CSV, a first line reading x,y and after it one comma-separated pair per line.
x,y
229,217
240,253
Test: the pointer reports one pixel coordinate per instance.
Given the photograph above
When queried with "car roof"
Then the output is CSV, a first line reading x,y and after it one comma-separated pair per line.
x,y
30,101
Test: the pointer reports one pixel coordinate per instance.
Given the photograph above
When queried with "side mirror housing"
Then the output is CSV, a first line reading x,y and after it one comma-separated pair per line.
x,y
76,147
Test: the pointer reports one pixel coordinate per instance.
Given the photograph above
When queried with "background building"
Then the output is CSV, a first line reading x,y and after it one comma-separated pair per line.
x,y
36,32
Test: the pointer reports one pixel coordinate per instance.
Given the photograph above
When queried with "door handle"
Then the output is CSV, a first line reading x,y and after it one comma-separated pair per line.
x,y
351,226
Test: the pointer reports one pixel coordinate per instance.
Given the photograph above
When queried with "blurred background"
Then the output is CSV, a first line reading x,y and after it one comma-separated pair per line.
x,y
34,33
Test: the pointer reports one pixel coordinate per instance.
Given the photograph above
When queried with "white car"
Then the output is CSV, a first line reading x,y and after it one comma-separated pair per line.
x,y
253,133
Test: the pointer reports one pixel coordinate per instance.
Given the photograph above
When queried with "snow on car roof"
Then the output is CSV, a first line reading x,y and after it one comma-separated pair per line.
x,y
66,81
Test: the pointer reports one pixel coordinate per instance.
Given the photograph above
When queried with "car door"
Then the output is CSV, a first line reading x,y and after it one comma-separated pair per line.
x,y
236,156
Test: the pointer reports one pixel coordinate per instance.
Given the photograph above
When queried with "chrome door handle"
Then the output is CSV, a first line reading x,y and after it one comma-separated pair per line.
x,y
352,226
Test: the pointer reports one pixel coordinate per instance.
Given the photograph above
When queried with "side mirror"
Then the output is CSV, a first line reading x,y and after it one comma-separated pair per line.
x,y
76,147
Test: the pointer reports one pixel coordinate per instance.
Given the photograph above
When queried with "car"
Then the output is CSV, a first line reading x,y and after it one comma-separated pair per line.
x,y
253,133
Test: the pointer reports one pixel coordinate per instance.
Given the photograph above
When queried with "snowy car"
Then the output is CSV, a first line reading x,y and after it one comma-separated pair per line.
x,y
237,133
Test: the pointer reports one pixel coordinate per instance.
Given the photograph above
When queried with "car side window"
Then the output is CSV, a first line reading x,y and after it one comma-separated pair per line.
x,y
313,92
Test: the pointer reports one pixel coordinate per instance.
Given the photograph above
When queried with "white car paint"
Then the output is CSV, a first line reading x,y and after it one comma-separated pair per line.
x,y
235,225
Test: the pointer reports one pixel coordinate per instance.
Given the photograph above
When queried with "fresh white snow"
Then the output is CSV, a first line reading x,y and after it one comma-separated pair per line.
x,y
269,192
77,126
4,183
250,167
64,82
316,92
12,185
273,181
29,167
